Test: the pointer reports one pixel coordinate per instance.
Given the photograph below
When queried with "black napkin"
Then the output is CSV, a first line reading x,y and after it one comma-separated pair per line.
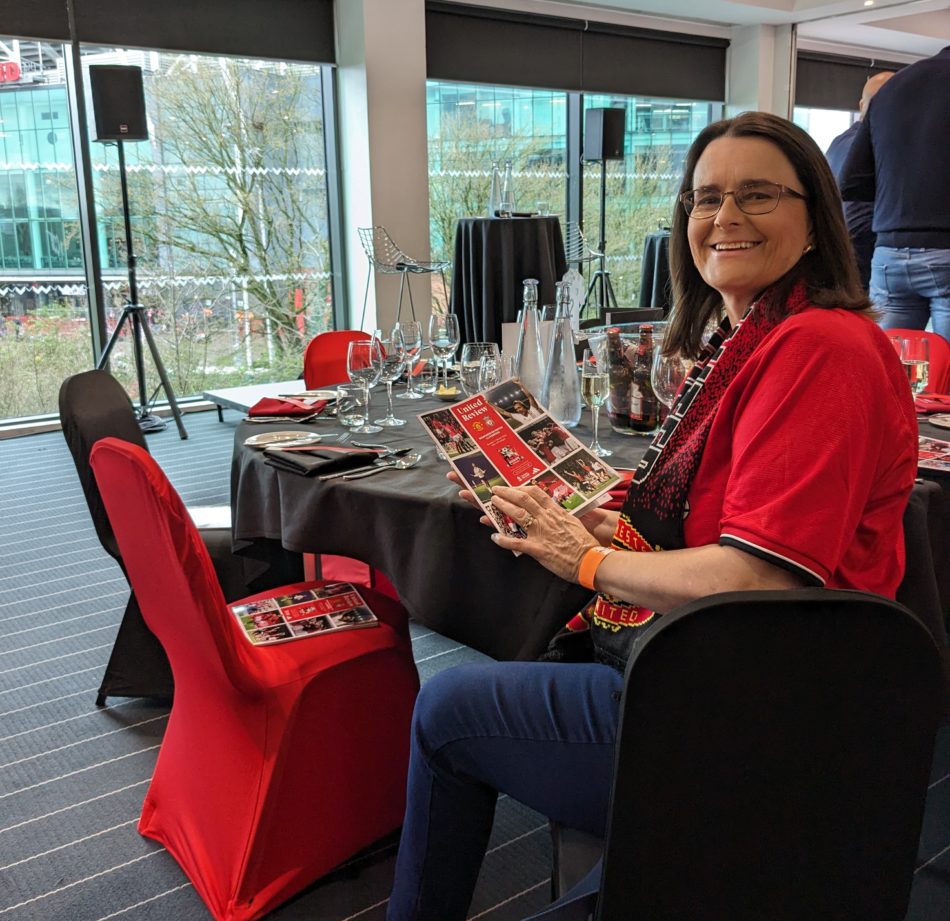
x,y
318,460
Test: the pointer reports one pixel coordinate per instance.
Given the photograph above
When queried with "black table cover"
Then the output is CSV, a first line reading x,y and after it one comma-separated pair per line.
x,y
493,257
411,525
655,290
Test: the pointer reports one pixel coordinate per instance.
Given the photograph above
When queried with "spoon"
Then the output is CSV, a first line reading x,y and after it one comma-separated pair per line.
x,y
399,463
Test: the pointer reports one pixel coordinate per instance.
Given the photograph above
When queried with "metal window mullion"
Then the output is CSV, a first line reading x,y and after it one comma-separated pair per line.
x,y
82,163
334,190
575,169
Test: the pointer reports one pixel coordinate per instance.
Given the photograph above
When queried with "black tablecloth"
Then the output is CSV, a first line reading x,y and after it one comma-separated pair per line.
x,y
412,526
493,257
655,290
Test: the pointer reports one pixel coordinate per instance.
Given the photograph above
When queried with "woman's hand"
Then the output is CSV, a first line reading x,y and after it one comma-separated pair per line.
x,y
556,539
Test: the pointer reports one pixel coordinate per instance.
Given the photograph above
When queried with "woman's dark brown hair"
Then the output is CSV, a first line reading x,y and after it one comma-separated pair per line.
x,y
829,270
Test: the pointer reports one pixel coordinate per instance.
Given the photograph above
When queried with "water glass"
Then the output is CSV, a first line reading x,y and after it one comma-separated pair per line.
x,y
490,371
471,363
351,405
915,357
427,378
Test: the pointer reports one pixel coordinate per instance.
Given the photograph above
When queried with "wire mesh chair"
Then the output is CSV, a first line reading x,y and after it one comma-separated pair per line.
x,y
387,258
577,250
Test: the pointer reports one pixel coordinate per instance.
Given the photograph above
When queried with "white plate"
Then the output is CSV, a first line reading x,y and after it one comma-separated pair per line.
x,y
310,395
281,438
941,420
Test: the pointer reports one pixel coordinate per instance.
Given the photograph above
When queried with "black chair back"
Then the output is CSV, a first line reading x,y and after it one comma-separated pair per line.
x,y
93,405
773,758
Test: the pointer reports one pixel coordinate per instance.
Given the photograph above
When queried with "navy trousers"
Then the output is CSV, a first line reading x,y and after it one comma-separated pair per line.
x,y
543,733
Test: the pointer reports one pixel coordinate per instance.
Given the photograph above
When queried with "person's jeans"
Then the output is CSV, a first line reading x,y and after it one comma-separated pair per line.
x,y
541,732
911,286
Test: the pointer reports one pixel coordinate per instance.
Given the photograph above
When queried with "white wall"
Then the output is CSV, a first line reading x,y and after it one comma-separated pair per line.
x,y
382,85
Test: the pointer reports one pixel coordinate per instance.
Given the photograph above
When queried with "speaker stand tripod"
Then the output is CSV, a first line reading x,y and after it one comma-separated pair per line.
x,y
600,280
135,313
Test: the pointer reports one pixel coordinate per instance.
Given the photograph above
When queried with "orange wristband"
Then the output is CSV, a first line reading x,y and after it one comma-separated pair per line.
x,y
590,563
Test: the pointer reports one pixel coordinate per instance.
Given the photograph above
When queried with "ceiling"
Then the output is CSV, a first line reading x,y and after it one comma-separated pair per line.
x,y
912,28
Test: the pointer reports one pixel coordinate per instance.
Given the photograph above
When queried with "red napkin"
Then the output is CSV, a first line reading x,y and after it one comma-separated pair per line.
x,y
619,492
932,403
270,406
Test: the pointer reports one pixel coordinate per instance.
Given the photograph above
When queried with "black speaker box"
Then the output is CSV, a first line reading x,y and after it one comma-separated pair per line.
x,y
118,99
603,134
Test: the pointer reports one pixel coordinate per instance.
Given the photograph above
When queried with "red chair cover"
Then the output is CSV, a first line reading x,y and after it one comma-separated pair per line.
x,y
939,370
278,763
324,361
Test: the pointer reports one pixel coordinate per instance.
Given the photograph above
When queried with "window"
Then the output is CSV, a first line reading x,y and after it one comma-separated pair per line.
x,y
824,125
44,305
469,127
641,188
228,205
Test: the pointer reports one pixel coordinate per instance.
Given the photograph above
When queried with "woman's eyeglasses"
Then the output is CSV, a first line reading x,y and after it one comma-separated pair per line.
x,y
752,198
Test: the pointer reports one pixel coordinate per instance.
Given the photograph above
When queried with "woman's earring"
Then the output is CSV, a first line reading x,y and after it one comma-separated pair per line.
x,y
808,248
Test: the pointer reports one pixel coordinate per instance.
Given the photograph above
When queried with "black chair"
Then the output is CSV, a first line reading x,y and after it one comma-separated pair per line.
x,y
93,405
773,756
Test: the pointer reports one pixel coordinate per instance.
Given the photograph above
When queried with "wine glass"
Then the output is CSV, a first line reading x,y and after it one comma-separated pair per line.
x,y
444,339
392,362
363,365
471,363
595,382
667,373
412,336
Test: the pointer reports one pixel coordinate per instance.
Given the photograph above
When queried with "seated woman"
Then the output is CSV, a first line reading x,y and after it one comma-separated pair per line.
x,y
788,463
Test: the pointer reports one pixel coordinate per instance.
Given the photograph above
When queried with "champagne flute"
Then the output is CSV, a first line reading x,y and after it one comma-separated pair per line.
x,y
667,373
595,382
915,357
444,339
412,336
471,363
363,366
392,362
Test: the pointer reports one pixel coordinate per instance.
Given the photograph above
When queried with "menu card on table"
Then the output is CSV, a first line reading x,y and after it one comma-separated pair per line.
x,y
503,437
312,612
933,454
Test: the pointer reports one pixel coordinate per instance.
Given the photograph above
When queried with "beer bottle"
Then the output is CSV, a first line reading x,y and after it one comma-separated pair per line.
x,y
620,372
644,406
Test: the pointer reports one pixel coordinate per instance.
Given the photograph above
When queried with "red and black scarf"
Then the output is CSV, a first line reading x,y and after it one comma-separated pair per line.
x,y
656,505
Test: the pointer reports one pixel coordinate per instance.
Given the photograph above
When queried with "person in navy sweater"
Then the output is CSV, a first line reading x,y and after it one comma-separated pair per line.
x,y
858,214
898,160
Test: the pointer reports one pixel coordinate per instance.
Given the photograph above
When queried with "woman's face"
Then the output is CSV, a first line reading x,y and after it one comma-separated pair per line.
x,y
741,254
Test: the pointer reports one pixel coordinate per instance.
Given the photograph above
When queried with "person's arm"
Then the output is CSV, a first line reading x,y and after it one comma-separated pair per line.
x,y
660,580
856,179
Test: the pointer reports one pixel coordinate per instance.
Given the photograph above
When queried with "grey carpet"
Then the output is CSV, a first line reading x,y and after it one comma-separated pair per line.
x,y
72,777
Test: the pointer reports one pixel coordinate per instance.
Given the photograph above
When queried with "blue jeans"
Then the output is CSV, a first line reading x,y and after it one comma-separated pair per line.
x,y
541,732
912,286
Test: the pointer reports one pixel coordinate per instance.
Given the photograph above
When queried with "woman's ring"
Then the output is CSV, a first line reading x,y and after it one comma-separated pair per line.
x,y
529,520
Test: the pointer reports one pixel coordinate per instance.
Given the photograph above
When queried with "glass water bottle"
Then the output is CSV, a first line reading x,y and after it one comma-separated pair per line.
x,y
494,190
529,361
507,206
561,393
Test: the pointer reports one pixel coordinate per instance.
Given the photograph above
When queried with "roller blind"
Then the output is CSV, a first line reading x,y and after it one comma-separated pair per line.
x,y
296,30
825,81
483,45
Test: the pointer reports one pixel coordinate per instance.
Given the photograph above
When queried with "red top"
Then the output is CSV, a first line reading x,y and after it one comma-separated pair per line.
x,y
812,455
